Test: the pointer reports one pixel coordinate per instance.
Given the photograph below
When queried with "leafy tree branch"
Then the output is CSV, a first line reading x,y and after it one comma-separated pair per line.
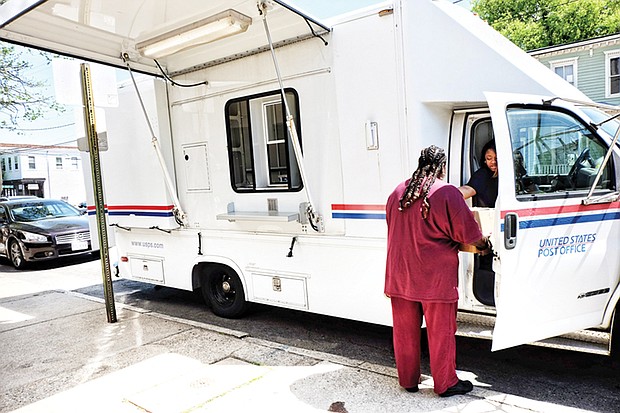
x,y
532,24
22,98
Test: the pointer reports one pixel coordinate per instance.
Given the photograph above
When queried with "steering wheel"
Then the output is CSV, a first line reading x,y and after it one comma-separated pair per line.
x,y
583,156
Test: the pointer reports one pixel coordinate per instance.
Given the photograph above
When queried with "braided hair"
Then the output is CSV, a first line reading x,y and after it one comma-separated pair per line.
x,y
430,167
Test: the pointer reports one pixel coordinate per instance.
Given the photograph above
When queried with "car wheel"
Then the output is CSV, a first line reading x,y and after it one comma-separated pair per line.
x,y
223,290
17,257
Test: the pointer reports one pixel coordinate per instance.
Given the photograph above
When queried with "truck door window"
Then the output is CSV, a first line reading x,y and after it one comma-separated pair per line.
x,y
554,154
482,132
260,152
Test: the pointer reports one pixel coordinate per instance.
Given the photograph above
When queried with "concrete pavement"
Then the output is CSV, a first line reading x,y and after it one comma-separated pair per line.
x,y
60,355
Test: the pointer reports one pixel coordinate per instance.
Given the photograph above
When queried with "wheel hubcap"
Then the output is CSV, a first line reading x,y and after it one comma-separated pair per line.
x,y
224,291
16,254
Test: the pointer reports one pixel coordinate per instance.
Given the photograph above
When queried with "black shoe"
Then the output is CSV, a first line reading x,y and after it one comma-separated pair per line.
x,y
413,389
462,387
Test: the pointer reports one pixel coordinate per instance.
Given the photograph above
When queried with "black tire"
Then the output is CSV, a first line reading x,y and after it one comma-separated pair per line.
x,y
16,255
615,337
223,291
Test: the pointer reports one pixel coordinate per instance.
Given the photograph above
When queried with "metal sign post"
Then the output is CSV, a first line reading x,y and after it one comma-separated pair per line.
x,y
102,229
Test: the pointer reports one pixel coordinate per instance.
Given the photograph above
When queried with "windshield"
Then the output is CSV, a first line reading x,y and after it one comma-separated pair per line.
x,y
554,152
598,117
35,211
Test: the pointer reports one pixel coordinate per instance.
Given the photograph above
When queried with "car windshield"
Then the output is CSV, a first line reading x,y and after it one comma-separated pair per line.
x,y
601,118
35,211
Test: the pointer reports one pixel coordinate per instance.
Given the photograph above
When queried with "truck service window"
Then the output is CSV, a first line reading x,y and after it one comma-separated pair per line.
x,y
554,153
260,152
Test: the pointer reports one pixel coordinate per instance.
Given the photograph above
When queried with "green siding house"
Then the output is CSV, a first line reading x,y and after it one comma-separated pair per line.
x,y
593,66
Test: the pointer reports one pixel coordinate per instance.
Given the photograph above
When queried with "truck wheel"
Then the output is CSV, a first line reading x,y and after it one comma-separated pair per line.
x,y
615,337
16,255
223,290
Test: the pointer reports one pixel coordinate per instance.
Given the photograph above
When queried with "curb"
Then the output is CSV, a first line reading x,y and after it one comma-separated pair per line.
x,y
317,355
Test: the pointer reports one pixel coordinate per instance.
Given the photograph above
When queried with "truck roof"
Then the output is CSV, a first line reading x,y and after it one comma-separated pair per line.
x,y
448,55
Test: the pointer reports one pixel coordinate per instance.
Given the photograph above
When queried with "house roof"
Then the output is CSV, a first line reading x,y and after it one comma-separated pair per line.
x,y
595,42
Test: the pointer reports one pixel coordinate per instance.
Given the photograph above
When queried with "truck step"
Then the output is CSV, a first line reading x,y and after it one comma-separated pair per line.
x,y
586,341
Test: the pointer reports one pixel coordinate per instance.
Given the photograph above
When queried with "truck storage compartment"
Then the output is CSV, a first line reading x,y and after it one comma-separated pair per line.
x,y
281,288
147,268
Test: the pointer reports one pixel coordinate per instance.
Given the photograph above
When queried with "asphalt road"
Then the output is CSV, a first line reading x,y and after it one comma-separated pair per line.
x,y
565,378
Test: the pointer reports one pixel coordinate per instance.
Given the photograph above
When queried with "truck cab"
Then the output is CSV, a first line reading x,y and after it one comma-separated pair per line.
x,y
555,221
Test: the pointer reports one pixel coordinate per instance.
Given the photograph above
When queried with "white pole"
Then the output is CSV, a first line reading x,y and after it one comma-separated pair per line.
x,y
316,221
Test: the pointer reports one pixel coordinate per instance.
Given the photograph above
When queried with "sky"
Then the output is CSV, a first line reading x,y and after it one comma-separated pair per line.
x,y
329,8
60,129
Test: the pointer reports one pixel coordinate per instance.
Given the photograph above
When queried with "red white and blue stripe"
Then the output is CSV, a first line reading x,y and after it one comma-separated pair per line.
x,y
162,211
358,211
565,215
528,218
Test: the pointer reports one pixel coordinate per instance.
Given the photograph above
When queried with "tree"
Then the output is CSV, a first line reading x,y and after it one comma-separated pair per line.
x,y
532,24
21,96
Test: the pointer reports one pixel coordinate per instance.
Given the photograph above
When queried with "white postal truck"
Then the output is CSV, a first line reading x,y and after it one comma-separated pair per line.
x,y
212,182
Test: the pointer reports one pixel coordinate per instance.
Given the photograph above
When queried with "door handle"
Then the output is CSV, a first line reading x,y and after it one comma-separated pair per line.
x,y
510,230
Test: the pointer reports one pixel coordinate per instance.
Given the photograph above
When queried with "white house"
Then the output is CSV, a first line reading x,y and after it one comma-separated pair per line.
x,y
44,171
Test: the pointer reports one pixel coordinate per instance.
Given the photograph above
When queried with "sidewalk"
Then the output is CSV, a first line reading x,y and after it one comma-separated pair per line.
x,y
60,355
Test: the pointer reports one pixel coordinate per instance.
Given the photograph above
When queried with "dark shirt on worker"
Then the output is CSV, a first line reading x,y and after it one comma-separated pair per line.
x,y
485,186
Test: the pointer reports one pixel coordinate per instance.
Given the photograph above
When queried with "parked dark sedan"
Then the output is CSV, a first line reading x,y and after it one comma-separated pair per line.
x,y
41,229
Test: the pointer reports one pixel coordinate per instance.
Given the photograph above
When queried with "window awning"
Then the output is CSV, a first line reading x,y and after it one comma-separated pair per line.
x,y
208,32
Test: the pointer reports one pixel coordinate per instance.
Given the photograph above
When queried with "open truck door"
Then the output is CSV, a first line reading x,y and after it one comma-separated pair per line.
x,y
557,264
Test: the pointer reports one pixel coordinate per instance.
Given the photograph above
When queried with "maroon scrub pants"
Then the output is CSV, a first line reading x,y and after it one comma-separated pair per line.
x,y
441,330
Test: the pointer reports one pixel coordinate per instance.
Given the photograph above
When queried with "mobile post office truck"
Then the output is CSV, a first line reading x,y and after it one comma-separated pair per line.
x,y
253,148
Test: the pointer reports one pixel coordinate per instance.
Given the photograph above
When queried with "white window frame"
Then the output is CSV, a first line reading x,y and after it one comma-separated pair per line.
x,y
32,162
59,162
612,54
267,106
566,62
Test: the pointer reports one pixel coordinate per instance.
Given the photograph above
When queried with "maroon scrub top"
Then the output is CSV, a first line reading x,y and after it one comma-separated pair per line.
x,y
422,254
